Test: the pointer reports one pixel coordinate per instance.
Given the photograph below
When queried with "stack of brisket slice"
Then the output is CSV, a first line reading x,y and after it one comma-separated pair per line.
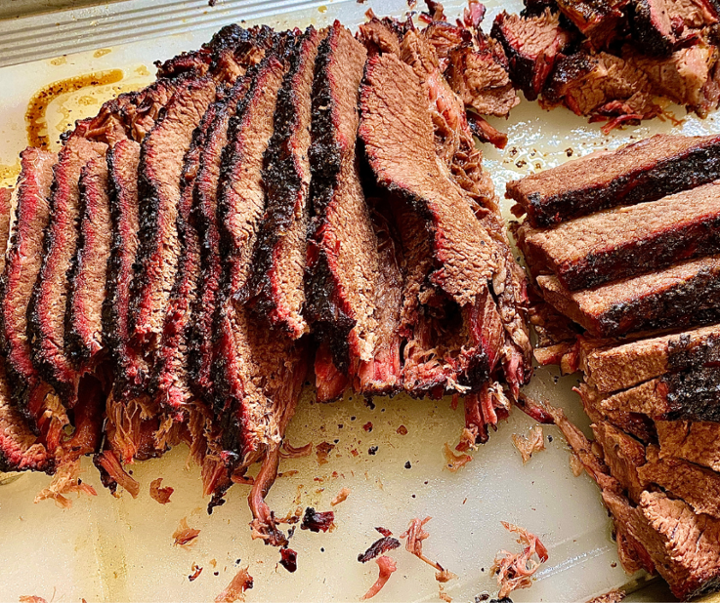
x,y
618,61
274,201
627,245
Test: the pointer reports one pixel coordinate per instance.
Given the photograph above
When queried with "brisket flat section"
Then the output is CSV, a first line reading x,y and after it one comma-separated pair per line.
x,y
206,189
276,285
49,301
88,277
22,265
694,441
689,395
643,171
342,255
532,45
161,163
130,367
171,380
240,205
619,243
615,367
681,544
681,296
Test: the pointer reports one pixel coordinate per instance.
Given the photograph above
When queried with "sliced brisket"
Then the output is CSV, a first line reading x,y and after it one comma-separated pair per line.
x,y
693,441
643,171
532,45
683,295
131,370
88,275
342,256
623,455
48,304
161,162
614,367
624,242
276,286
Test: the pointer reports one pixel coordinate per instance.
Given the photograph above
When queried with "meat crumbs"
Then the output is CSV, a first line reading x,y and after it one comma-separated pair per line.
x,y
387,566
533,442
185,535
239,584
162,495
514,570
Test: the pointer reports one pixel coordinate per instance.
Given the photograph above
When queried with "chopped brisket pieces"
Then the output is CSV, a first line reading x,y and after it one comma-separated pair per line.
x,y
131,370
643,171
624,242
342,254
683,295
48,304
276,287
88,275
614,367
601,21
159,171
532,45
652,27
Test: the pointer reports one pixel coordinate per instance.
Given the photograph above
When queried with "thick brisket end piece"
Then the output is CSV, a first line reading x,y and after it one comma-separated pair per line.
x,y
681,544
652,27
276,285
50,294
206,189
130,367
342,253
161,163
88,277
532,45
620,243
614,367
694,441
22,265
683,295
691,395
643,171
171,378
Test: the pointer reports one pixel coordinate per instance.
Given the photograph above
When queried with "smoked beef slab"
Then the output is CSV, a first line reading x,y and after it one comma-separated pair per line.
x,y
22,265
624,242
342,252
694,441
643,171
276,286
49,302
683,295
171,381
532,45
693,394
615,367
159,171
206,189
131,370
88,275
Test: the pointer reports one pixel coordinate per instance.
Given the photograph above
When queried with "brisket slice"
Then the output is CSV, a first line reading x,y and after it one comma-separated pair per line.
x,y
88,275
697,486
683,295
171,382
681,545
623,455
643,171
614,367
624,242
694,441
131,369
276,286
159,171
342,252
532,45
22,265
48,304
206,188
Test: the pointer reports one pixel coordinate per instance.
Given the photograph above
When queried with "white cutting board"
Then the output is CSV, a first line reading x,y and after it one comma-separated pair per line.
x,y
107,549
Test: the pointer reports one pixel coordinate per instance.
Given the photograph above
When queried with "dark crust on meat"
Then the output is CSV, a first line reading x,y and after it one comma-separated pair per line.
x,y
651,30
682,353
83,328
170,380
330,320
693,394
283,178
696,166
46,326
